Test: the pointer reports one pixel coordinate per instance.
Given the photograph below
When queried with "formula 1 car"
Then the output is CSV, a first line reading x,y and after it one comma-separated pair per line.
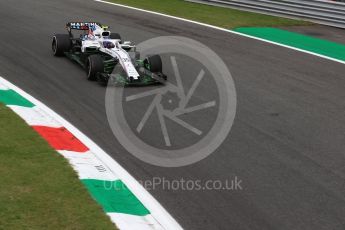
x,y
99,51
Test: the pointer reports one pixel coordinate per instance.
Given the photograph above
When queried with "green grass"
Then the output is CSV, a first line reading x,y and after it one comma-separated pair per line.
x,y
38,188
218,16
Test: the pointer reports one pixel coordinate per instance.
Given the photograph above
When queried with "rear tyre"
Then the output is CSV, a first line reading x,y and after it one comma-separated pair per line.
x,y
153,63
94,65
61,43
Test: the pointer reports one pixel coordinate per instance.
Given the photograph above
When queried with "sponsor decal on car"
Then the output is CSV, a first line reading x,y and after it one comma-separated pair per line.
x,y
83,25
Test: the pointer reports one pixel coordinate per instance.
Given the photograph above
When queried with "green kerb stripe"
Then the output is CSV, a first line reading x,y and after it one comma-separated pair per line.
x,y
114,196
10,97
307,43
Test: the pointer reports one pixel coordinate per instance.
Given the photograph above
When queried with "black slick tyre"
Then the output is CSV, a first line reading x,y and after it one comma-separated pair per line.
x,y
94,65
153,63
61,43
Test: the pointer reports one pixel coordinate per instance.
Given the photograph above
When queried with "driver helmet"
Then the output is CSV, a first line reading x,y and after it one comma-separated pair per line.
x,y
108,44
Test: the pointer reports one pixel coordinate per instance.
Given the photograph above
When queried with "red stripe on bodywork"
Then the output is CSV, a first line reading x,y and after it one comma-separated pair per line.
x,y
61,139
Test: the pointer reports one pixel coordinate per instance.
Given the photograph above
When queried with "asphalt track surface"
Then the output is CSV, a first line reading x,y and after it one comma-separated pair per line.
x,y
286,145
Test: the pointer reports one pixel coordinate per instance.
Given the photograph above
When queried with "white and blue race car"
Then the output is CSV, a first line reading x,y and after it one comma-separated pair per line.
x,y
99,51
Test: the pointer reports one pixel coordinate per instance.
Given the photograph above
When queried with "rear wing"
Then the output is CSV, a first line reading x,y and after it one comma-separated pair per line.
x,y
84,25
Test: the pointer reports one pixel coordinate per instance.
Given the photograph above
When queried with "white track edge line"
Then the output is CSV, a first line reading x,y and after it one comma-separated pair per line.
x,y
155,208
223,29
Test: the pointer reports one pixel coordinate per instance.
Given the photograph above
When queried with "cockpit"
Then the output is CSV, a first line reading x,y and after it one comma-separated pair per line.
x,y
111,44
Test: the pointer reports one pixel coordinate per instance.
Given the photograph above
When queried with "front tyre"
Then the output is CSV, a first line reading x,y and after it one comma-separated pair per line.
x,y
153,63
94,65
61,43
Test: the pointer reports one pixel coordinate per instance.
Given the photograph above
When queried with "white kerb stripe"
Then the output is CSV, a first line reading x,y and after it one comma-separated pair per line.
x,y
130,222
35,116
3,87
88,166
